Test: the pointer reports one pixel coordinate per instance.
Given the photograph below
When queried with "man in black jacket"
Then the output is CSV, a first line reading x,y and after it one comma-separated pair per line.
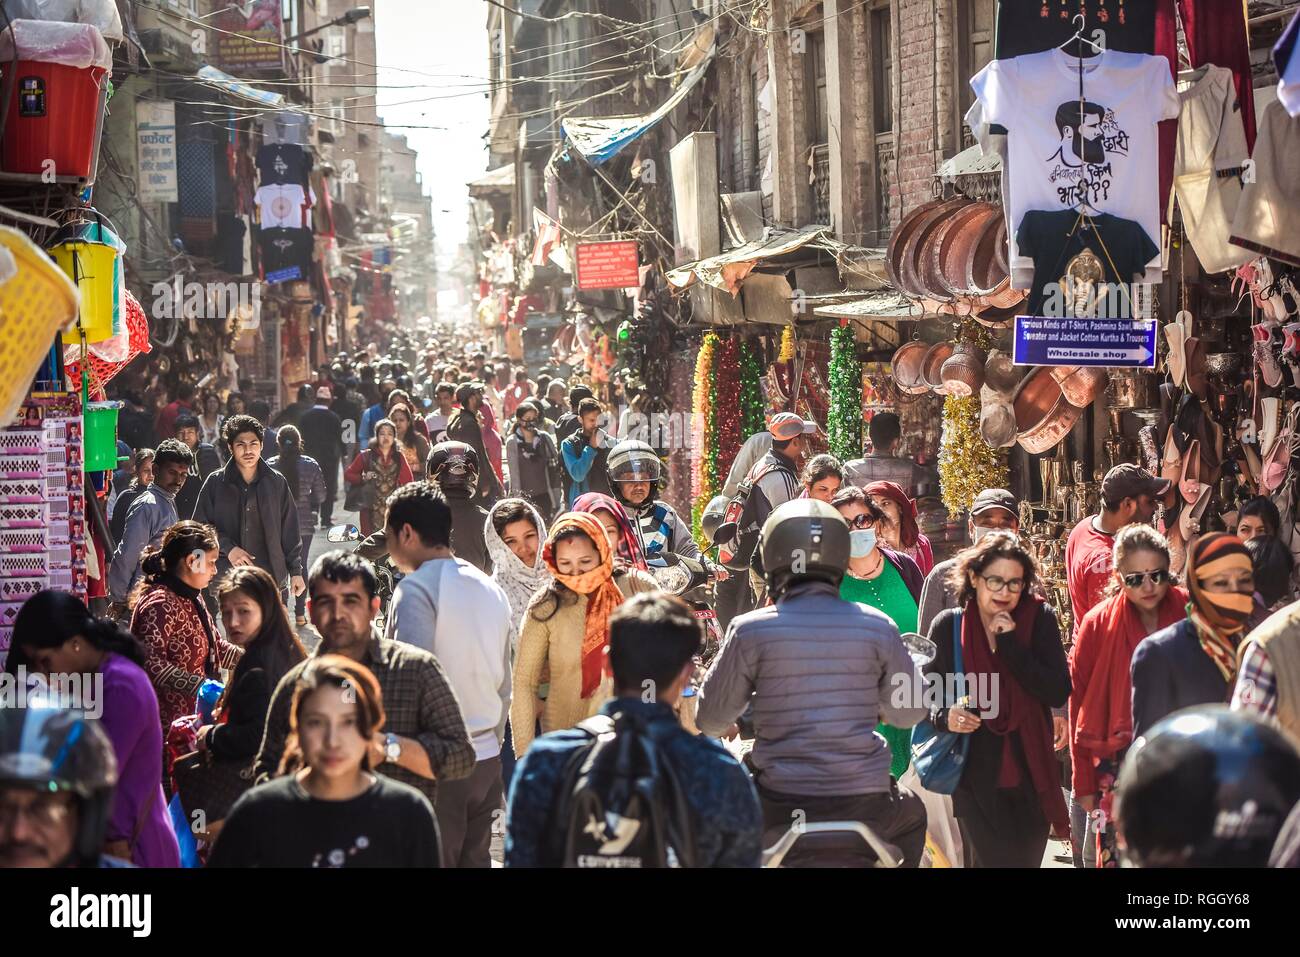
x,y
291,414
464,427
252,508
454,468
322,439
206,461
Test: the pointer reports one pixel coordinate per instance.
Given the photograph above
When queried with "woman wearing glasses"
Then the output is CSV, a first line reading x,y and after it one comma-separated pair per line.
x,y
1142,600
1009,797
883,579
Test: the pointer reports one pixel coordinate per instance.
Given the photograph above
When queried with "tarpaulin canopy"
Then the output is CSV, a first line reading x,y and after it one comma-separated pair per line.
x,y
728,270
493,181
600,139
227,83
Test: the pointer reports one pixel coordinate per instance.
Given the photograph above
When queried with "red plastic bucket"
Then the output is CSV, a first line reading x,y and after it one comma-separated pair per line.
x,y
54,114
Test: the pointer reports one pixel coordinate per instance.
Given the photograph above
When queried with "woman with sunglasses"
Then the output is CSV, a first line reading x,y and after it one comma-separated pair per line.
x,y
1195,661
885,580
1009,797
1142,600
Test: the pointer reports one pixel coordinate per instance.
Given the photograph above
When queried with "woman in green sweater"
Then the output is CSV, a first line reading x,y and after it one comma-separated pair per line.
x,y
886,580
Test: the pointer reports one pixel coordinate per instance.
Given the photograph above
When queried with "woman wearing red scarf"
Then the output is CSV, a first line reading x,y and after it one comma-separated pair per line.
x,y
620,529
1142,600
566,630
899,530
1009,796
1195,661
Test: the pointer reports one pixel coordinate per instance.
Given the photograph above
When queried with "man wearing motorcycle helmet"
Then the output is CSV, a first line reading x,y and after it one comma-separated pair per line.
x,y
454,467
636,476
57,774
1205,787
822,673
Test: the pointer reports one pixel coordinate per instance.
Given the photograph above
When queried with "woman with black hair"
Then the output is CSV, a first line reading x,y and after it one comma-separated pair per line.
x,y
307,483
256,620
1273,566
1258,516
821,478
172,621
57,637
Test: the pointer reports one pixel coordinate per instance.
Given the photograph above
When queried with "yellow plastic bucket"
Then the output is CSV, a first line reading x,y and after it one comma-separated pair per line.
x,y
90,266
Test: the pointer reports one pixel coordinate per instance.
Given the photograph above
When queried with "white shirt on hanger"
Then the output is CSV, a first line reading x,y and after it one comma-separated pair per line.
x,y
282,205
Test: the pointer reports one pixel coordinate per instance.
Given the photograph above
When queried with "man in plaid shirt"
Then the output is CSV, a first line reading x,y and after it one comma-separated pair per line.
x,y
424,736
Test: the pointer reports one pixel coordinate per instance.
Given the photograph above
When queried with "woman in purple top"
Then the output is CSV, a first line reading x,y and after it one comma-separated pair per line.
x,y
55,635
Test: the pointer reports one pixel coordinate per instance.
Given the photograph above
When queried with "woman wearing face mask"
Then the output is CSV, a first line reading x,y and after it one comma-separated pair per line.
x,y
899,529
822,477
1009,797
172,622
328,808
1142,600
566,629
1195,661
886,581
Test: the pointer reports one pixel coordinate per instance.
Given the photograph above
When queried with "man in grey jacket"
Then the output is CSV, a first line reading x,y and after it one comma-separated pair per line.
x,y
822,673
151,513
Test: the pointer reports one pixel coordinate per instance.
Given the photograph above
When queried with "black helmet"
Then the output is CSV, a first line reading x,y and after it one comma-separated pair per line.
x,y
1206,787
804,540
454,466
712,515
465,390
635,461
60,749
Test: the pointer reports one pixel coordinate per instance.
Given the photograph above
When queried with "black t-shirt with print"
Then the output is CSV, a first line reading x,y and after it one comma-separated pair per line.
x,y
1022,28
284,248
1101,248
278,824
283,163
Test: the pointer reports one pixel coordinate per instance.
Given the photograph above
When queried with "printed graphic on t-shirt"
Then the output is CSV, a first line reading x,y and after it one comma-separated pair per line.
x,y
1090,138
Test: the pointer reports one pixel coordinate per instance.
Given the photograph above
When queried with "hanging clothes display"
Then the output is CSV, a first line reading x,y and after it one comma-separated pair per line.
x,y
284,126
281,206
1031,26
1288,67
1268,216
1081,256
1215,32
278,163
286,253
1207,165
1063,152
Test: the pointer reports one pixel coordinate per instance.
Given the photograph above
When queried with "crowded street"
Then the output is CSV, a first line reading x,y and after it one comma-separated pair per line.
x,y
659,434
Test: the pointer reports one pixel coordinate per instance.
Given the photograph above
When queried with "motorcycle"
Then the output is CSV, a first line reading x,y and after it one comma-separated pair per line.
x,y
375,550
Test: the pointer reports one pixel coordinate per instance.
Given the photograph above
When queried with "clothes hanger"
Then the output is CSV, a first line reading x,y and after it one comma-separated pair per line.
x,y
1086,211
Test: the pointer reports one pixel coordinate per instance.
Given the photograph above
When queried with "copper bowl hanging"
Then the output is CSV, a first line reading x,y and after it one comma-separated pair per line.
x,y
916,251
898,240
983,275
1044,416
932,366
1081,385
907,366
1001,374
952,245
963,372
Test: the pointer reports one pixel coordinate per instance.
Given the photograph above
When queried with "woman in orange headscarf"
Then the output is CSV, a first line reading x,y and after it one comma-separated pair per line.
x,y
566,630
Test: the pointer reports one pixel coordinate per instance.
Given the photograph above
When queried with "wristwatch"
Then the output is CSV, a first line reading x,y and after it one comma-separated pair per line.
x,y
392,748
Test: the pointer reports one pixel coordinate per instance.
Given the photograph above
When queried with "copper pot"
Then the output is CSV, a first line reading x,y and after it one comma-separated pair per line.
x,y
963,372
1134,390
953,246
982,272
1044,416
898,241
917,250
1080,384
932,366
906,367
1001,374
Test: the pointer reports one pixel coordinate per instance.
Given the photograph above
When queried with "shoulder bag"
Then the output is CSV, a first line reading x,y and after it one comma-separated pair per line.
x,y
940,756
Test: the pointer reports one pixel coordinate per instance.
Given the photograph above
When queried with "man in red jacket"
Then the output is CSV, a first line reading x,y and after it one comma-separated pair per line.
x,y
165,426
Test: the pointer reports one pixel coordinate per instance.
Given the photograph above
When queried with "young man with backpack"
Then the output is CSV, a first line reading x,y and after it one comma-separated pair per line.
x,y
631,787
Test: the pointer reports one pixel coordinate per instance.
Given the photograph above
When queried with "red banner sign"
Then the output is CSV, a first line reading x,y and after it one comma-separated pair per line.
x,y
611,265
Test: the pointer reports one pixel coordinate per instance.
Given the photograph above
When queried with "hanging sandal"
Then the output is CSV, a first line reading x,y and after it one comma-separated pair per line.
x,y
1189,485
1189,519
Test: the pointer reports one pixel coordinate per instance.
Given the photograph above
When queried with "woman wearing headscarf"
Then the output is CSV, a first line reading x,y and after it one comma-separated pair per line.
x,y
1009,798
566,629
899,530
1142,600
1195,661
620,528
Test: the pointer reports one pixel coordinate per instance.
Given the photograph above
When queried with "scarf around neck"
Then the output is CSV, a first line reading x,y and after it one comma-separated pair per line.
x,y
598,585
1218,618
630,547
517,580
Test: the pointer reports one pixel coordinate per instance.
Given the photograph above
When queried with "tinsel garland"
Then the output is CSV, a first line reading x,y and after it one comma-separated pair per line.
x,y
787,345
752,419
967,465
844,418
704,474
726,406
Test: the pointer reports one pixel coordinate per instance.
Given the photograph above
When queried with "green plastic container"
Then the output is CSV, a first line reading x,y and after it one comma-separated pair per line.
x,y
101,436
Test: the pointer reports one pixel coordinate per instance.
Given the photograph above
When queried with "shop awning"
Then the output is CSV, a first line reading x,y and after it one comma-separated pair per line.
x,y
971,161
887,306
600,139
229,84
728,270
501,179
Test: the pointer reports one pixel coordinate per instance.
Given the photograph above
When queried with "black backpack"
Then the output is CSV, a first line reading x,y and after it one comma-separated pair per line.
x,y
620,803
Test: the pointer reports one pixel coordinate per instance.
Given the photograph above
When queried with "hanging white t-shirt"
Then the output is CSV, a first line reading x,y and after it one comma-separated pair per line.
x,y
1108,157
282,205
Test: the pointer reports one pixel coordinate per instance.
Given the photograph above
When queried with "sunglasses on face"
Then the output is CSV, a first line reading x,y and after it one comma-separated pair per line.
x,y
1157,577
861,521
